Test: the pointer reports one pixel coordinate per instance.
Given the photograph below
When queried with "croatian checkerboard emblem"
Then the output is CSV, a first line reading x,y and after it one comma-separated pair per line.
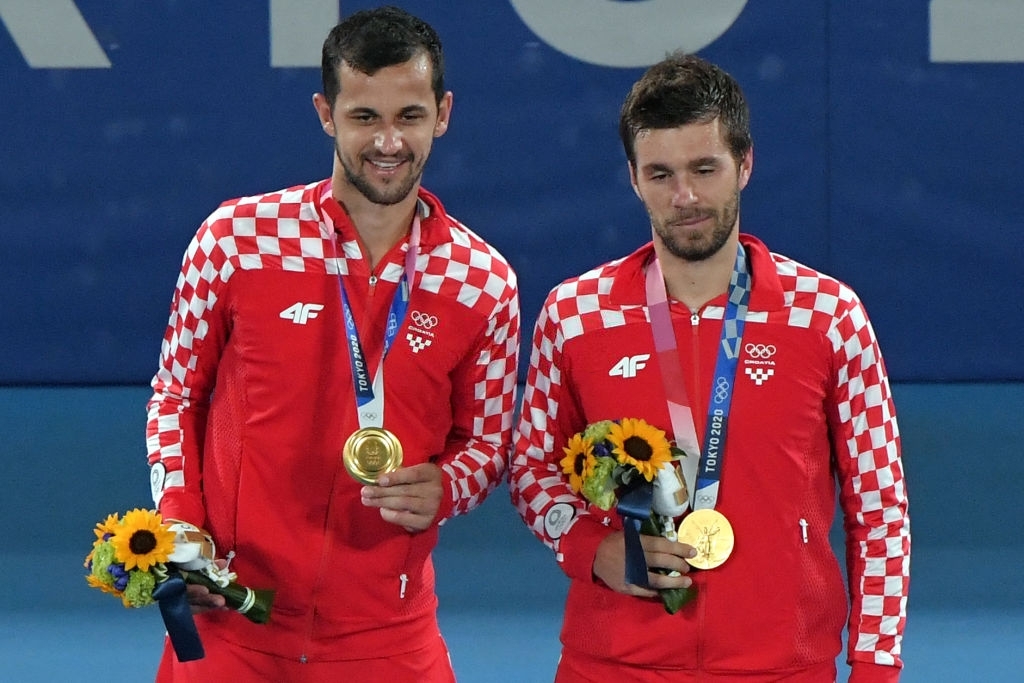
x,y
419,332
417,343
759,375
759,365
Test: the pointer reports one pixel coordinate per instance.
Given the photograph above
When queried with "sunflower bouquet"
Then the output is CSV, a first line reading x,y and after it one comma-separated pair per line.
x,y
615,463
142,560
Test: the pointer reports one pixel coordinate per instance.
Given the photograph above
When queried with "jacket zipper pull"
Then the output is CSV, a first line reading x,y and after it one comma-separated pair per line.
x,y
401,592
803,529
694,318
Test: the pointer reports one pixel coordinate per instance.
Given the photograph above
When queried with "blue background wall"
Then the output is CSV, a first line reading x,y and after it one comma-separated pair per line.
x,y
873,162
887,152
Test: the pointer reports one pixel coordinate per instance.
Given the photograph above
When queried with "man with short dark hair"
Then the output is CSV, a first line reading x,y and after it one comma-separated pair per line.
x,y
336,380
767,374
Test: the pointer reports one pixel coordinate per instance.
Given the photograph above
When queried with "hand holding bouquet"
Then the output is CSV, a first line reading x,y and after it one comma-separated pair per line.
x,y
629,464
141,559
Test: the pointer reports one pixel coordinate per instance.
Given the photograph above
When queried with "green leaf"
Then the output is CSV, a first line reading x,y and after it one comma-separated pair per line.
x,y
675,598
672,598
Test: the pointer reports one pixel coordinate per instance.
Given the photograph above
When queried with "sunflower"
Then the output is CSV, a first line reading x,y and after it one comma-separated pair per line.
x,y
106,528
579,461
141,540
97,582
636,443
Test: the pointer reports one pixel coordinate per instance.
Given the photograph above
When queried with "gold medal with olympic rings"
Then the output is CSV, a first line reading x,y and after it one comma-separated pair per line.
x,y
370,453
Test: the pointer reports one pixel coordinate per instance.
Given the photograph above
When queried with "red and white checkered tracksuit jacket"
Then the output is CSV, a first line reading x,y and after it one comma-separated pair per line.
x,y
811,406
254,400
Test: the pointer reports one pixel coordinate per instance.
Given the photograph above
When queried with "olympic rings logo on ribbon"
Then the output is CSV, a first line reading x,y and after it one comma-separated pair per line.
x,y
423,320
721,389
762,351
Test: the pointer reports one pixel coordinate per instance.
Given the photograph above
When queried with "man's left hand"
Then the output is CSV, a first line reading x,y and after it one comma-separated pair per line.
x,y
409,496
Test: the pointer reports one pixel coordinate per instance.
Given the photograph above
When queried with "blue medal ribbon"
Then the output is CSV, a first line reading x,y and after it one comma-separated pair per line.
x,y
360,369
372,391
635,508
720,401
181,627
635,505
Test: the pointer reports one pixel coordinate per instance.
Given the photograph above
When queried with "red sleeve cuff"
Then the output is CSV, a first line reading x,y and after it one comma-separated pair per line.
x,y
578,547
183,508
444,510
866,672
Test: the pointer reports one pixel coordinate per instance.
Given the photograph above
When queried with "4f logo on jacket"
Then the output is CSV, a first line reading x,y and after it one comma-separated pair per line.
x,y
628,366
299,313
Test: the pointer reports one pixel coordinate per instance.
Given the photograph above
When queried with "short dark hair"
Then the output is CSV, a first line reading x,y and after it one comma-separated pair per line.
x,y
372,39
683,89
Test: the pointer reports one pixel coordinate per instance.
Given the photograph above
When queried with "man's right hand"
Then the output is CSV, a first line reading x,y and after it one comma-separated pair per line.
x,y
661,553
200,599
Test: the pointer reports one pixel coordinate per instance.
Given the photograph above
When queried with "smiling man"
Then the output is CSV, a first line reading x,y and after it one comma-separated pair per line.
x,y
335,381
767,374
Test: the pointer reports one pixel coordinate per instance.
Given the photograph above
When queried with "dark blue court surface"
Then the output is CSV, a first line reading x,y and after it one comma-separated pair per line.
x,y
70,456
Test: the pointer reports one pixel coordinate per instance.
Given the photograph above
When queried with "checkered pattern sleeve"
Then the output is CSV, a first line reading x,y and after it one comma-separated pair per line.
x,y
470,271
184,381
550,416
535,481
873,495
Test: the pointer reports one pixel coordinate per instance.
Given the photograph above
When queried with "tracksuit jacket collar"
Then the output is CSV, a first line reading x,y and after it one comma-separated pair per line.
x,y
766,295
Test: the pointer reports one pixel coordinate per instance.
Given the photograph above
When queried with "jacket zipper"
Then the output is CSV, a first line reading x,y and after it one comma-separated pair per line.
x,y
403,578
376,271
695,358
303,658
325,554
695,348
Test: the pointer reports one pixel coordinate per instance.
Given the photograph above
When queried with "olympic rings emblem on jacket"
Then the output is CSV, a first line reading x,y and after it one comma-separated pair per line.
x,y
423,321
761,351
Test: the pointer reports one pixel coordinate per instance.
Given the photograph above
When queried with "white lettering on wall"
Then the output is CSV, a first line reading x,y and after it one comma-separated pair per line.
x,y
51,34
298,29
976,30
627,34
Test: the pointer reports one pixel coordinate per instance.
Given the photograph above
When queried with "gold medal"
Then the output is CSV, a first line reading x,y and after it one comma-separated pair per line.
x,y
711,534
370,453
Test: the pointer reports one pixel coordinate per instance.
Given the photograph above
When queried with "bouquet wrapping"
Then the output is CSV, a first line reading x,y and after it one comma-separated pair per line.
x,y
141,559
630,465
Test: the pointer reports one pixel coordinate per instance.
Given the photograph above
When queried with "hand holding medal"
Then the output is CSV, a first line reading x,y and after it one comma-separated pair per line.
x,y
409,497
631,466
711,534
